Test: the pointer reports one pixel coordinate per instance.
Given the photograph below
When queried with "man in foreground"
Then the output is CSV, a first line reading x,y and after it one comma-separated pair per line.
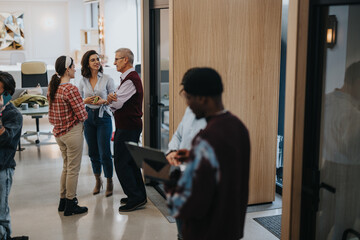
x,y
211,196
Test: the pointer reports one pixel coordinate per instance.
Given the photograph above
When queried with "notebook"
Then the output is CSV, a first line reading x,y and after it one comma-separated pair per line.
x,y
151,160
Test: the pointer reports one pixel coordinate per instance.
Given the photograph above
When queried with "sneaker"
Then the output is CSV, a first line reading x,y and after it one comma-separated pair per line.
x,y
62,204
124,200
132,206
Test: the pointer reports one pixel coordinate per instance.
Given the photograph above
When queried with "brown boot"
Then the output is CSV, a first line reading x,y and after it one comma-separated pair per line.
x,y
109,187
98,184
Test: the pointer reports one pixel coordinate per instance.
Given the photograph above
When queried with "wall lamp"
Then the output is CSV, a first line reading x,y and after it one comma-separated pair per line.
x,y
331,30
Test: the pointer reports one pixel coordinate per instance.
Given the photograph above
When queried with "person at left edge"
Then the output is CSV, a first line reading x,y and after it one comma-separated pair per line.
x,y
10,132
94,88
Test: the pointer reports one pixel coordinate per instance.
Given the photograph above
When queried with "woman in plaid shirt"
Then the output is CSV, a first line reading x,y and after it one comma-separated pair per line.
x,y
67,114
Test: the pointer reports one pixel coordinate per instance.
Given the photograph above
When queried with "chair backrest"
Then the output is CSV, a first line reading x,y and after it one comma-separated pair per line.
x,y
34,73
17,57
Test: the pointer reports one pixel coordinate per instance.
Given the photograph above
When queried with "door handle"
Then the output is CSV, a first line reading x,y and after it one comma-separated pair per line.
x,y
328,187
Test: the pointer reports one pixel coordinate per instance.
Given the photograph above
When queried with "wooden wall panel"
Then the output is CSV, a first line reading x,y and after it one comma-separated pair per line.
x,y
296,61
241,40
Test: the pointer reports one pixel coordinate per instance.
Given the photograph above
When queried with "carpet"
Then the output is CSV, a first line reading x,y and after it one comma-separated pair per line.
x,y
159,202
271,223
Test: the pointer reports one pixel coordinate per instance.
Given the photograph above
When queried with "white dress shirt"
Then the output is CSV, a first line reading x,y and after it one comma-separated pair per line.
x,y
124,92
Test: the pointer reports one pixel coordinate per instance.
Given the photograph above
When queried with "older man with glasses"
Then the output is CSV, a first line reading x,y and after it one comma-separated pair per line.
x,y
126,104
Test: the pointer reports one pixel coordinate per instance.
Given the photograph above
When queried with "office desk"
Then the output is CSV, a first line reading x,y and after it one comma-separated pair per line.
x,y
35,113
15,71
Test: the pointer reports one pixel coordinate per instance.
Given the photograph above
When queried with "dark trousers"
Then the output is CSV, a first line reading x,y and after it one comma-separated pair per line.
x,y
128,173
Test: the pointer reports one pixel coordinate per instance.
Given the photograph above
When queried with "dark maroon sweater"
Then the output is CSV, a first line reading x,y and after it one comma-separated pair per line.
x,y
129,116
211,196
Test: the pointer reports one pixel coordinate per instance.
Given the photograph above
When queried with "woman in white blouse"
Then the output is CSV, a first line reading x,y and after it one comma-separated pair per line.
x,y
94,88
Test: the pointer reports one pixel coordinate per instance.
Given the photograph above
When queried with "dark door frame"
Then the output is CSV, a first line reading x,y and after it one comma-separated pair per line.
x,y
313,104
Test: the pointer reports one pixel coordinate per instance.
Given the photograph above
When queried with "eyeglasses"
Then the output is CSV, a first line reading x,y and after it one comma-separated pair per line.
x,y
116,59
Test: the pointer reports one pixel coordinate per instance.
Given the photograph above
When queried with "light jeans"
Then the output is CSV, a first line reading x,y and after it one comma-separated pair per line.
x,y
5,185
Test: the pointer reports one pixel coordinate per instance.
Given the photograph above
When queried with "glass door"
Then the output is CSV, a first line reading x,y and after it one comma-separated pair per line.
x,y
159,80
331,171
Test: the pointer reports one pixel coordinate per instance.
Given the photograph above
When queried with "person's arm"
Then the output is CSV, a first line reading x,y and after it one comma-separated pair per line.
x,y
195,189
77,104
9,129
123,94
174,144
110,86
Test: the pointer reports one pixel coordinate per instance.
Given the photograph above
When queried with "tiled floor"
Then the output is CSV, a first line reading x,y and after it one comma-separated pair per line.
x,y
34,199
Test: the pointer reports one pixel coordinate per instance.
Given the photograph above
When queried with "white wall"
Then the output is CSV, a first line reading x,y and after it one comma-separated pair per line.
x,y
120,27
45,28
336,57
52,27
76,9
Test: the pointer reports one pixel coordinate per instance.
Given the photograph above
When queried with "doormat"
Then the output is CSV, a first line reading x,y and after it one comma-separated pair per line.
x,y
159,202
271,223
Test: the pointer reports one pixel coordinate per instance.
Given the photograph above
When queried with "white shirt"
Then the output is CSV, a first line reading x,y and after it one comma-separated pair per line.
x,y
104,86
341,133
124,92
186,131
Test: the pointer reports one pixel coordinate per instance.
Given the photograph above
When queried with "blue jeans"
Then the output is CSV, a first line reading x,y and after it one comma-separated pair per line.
x,y
179,228
5,185
127,171
98,135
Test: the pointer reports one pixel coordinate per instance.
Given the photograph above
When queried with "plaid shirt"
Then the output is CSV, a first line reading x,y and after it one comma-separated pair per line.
x,y
66,110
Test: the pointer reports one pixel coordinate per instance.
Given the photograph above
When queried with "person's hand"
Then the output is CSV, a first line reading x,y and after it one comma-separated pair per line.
x,y
89,100
170,185
112,97
171,159
101,101
182,155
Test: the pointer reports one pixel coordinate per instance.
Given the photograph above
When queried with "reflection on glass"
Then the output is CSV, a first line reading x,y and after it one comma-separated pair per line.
x,y
164,77
340,138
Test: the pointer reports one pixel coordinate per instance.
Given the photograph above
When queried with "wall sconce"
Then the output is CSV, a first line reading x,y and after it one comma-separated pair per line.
x,y
101,30
331,30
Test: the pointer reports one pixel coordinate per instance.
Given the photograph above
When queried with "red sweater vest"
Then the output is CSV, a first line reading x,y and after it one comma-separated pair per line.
x,y
129,116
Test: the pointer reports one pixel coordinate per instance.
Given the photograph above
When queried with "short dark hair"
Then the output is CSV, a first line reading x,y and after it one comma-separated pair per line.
x,y
85,69
202,82
8,81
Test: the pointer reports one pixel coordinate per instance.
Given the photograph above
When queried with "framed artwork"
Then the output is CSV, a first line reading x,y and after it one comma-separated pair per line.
x,y
11,31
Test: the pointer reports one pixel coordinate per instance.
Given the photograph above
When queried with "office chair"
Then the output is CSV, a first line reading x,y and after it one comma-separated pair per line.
x,y
33,73
17,57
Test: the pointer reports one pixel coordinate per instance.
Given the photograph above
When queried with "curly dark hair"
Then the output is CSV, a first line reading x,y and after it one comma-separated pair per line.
x,y
8,82
85,69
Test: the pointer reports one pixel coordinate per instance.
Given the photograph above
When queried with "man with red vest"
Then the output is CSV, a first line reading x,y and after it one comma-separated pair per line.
x,y
126,104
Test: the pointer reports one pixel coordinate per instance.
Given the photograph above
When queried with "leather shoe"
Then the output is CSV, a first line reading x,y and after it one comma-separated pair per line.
x,y
132,206
124,200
